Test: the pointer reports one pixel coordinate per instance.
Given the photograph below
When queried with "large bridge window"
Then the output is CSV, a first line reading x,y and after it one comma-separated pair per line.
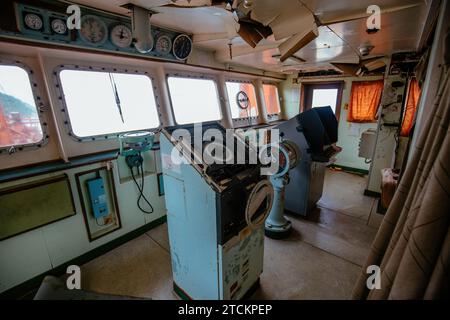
x,y
19,118
102,103
194,100
271,99
242,99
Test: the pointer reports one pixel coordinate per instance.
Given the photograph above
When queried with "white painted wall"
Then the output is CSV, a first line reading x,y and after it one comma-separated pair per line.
x,y
34,252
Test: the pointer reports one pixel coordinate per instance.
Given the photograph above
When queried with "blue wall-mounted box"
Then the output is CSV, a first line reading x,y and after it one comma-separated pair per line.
x,y
97,196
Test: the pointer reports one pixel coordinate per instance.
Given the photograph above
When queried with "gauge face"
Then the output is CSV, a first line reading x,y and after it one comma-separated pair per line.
x,y
182,47
93,30
59,26
121,36
163,44
33,21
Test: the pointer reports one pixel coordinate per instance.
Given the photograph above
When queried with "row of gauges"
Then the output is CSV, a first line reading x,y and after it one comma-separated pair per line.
x,y
94,31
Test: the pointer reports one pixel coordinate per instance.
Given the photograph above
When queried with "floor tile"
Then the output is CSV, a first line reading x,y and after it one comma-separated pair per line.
x,y
296,270
343,192
160,236
139,268
338,234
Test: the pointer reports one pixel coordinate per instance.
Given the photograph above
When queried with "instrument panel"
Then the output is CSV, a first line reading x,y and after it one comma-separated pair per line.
x,y
99,30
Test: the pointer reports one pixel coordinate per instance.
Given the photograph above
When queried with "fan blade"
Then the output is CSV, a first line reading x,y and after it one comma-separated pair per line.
x,y
253,32
248,33
364,15
373,64
347,68
296,42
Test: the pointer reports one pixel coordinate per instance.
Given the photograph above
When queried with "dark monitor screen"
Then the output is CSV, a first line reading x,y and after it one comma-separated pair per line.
x,y
320,128
313,130
329,122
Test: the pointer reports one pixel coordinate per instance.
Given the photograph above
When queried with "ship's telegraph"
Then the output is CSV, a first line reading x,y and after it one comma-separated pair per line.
x,y
288,156
136,142
132,144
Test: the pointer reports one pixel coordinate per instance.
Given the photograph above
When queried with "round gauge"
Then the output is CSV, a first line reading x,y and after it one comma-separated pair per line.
x,y
121,36
182,47
33,21
163,44
59,26
93,30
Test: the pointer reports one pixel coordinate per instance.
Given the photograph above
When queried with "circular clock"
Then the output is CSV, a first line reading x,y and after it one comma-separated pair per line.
x,y
33,21
121,36
182,47
59,26
163,44
93,30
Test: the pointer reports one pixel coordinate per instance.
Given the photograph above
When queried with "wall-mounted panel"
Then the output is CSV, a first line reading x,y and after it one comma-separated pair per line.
x,y
46,21
33,205
98,199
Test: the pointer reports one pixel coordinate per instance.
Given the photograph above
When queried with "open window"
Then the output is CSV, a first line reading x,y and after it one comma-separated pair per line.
x,y
271,99
322,95
102,103
20,125
194,100
242,99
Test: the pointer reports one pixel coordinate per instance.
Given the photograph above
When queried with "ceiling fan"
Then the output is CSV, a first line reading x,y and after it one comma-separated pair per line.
x,y
256,20
299,40
366,64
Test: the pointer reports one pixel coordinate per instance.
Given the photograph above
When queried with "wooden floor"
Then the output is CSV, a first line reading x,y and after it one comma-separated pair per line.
x,y
321,260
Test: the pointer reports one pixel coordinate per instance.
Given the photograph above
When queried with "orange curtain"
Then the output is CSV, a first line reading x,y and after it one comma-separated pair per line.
x,y
364,101
411,106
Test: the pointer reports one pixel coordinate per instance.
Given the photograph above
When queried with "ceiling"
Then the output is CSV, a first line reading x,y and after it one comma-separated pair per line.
x,y
214,28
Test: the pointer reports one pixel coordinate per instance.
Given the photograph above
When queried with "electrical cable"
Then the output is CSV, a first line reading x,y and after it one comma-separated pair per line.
x,y
141,190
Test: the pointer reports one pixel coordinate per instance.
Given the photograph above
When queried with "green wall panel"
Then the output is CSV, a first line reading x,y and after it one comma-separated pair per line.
x,y
29,206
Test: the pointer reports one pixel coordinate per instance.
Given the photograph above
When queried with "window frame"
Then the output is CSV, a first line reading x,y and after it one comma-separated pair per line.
x,y
274,116
201,76
64,109
41,108
237,120
307,89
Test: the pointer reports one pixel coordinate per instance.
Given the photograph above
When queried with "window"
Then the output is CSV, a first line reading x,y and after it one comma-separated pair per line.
x,y
245,93
323,95
271,99
364,101
194,100
19,119
102,103
411,107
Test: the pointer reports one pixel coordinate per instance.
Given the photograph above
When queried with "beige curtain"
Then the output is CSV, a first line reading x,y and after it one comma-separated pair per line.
x,y
412,246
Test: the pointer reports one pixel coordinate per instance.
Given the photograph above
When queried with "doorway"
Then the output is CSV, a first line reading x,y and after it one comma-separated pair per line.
x,y
322,94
